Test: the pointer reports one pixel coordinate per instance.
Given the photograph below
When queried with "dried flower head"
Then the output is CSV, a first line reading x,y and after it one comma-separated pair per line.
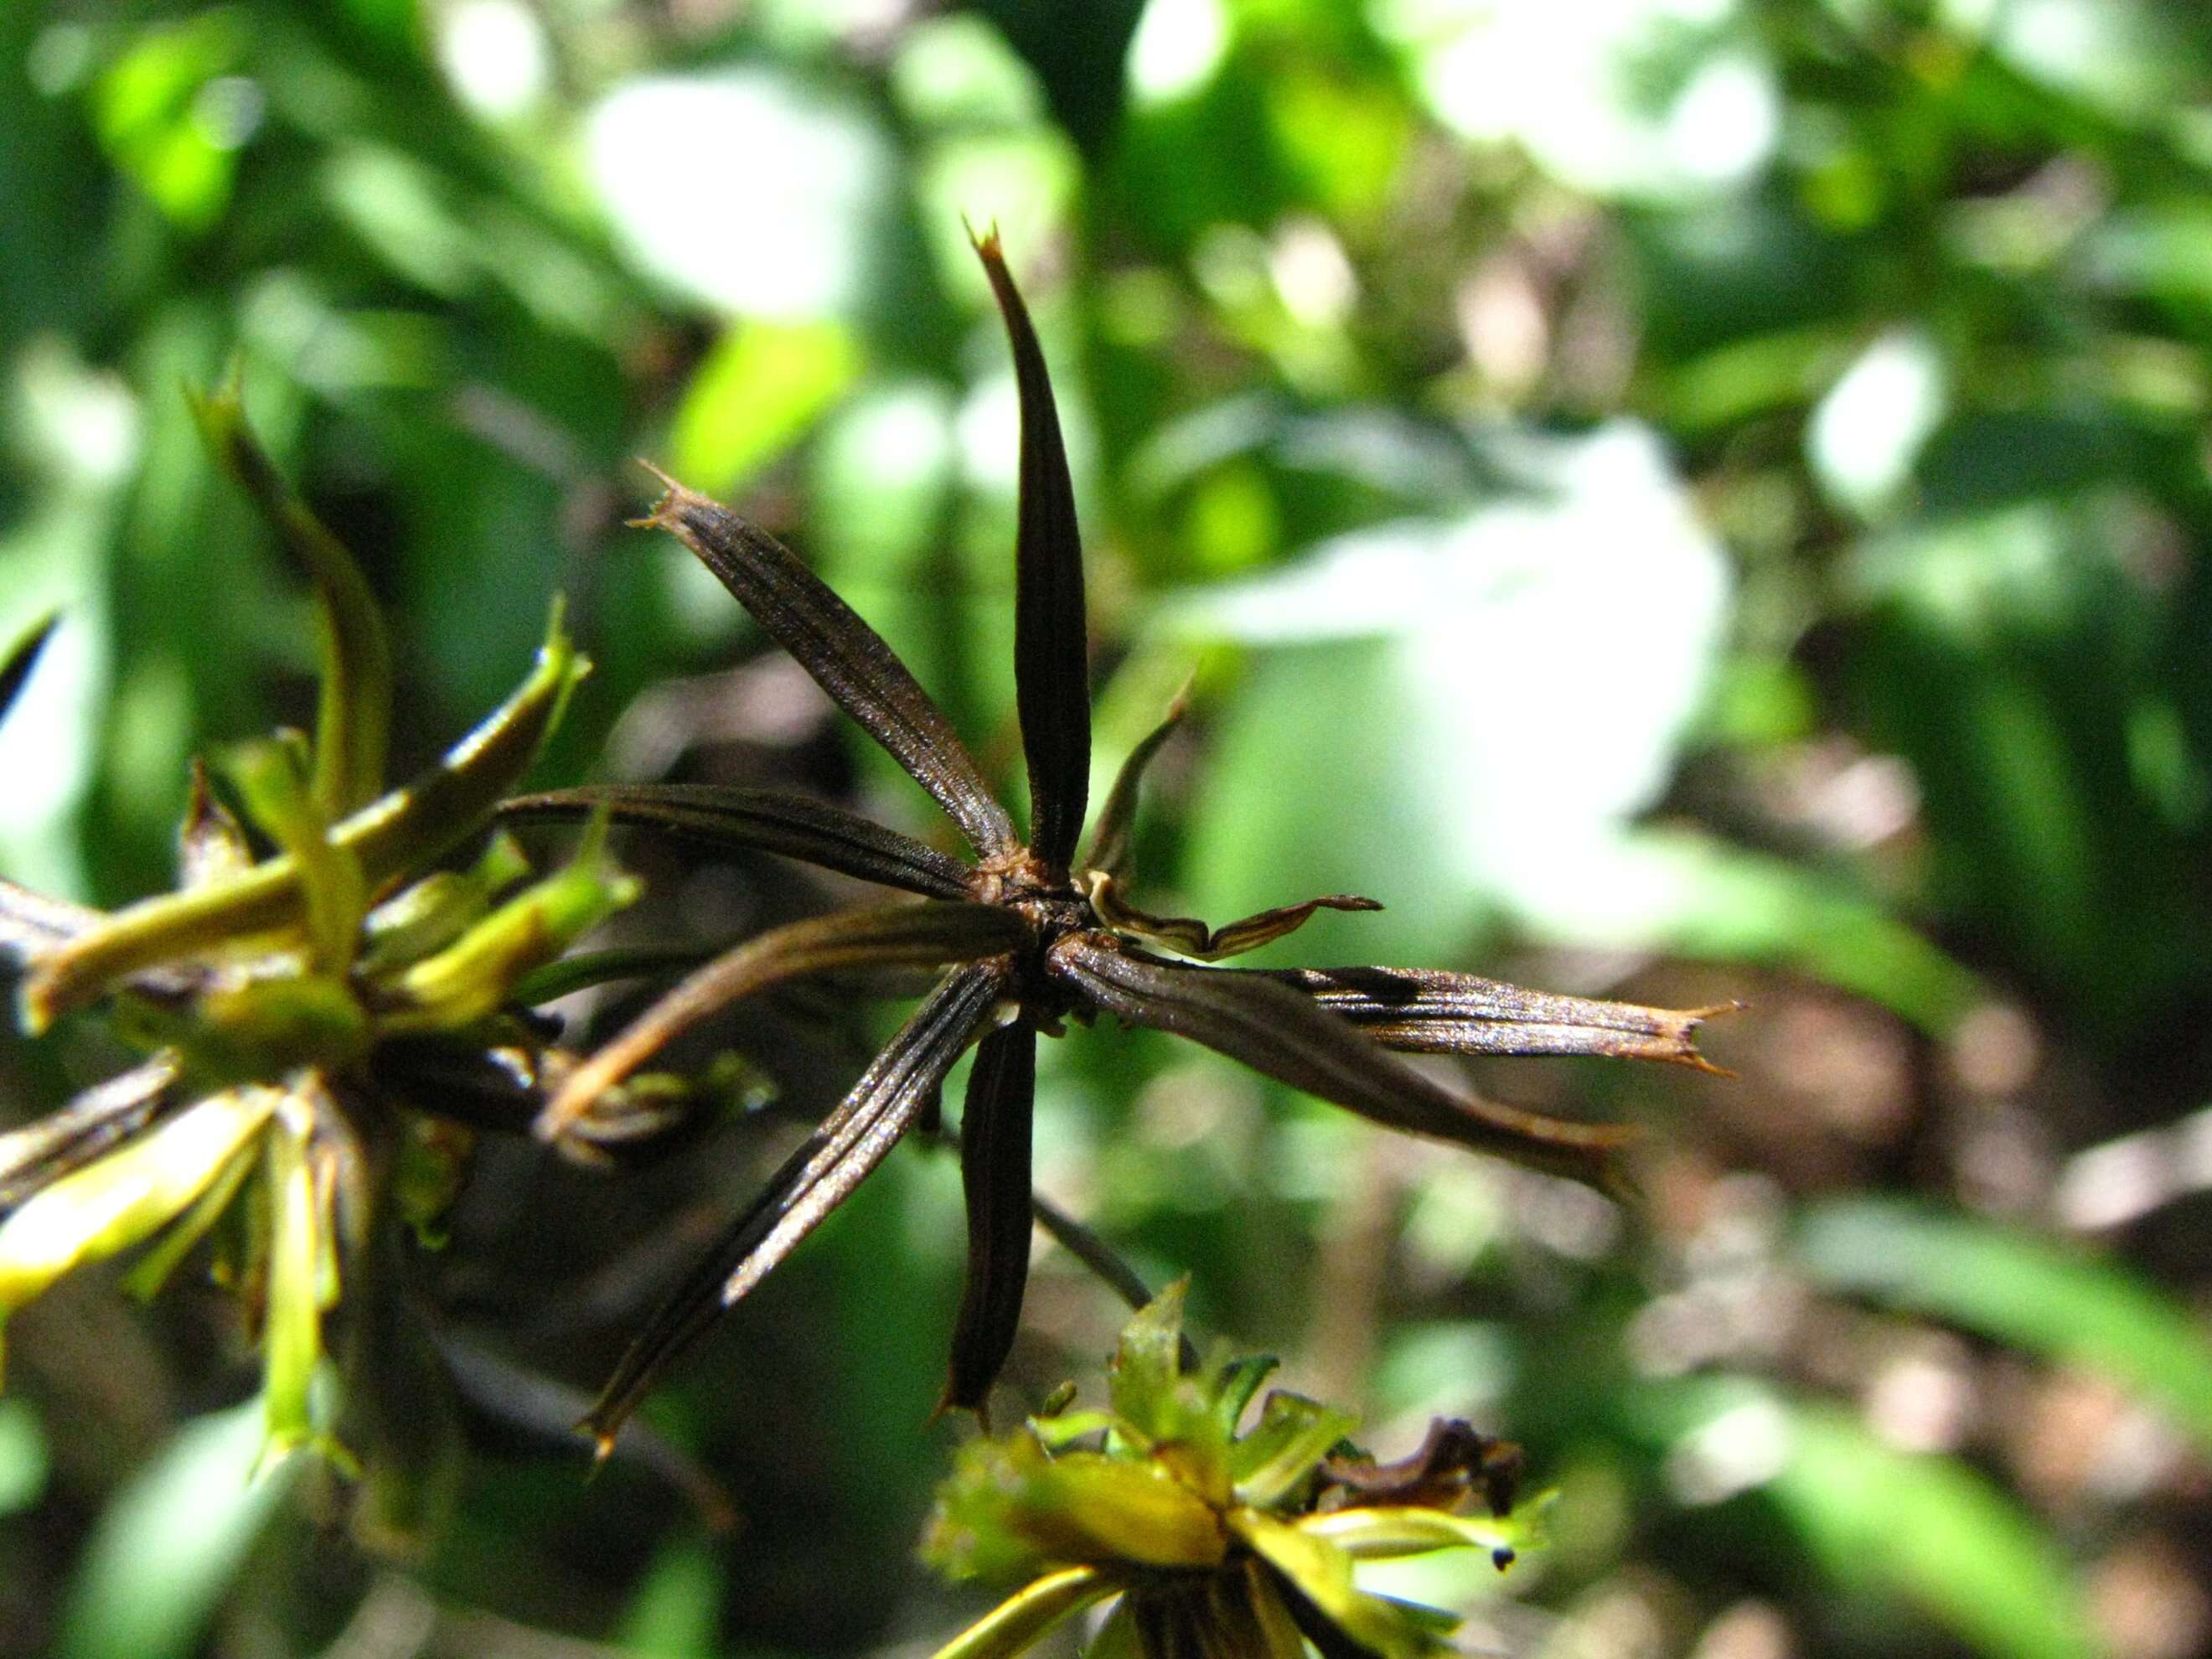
x,y
1031,934
1216,1541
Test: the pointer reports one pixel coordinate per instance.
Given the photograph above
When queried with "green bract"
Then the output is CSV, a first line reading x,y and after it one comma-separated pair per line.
x,y
1217,1542
315,1023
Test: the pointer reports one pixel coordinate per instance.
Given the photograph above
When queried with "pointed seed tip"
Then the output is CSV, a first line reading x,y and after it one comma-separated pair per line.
x,y
670,491
603,1442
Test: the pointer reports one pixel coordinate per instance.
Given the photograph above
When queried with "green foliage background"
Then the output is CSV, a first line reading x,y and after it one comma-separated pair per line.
x,y
1688,499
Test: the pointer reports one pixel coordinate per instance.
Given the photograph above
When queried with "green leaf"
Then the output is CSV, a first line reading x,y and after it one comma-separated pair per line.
x,y
1008,1507
1935,1531
292,1333
151,1271
170,1542
2079,1308
1293,1434
401,831
676,1610
1027,1614
281,801
1396,1530
1236,1380
1536,660
754,395
123,1198
22,1456
585,969
424,917
477,974
353,719
1321,1573
1148,1365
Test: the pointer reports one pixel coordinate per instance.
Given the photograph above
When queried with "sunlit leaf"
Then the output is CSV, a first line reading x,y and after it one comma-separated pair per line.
x,y
404,828
1023,1617
292,1338
1935,1531
1321,1573
1008,1506
112,1204
1284,1447
352,721
168,1544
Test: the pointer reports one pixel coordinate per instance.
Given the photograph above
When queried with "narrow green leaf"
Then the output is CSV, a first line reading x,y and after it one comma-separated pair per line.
x,y
476,974
1238,1380
151,1271
2075,1306
353,722
283,802
1935,1531
1321,1572
292,1330
425,916
586,969
118,1201
1025,1616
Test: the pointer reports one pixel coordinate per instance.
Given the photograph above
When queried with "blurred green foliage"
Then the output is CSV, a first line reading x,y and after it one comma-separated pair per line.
x,y
1719,485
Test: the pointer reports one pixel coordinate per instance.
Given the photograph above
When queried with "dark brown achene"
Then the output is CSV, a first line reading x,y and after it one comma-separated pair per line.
x,y
1030,934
